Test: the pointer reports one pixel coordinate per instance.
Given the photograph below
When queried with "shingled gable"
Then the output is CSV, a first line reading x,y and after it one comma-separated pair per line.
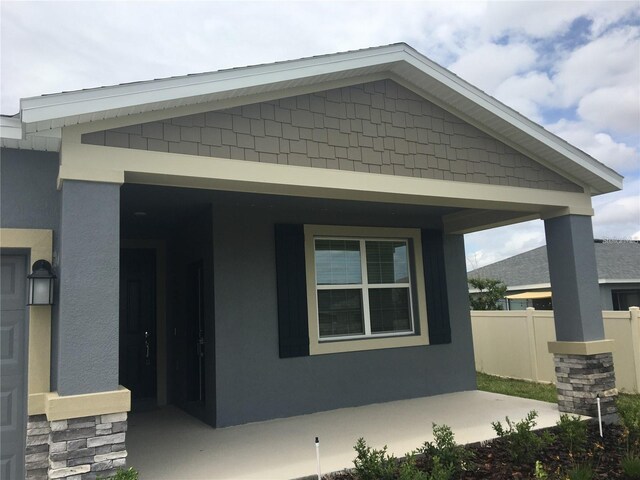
x,y
135,103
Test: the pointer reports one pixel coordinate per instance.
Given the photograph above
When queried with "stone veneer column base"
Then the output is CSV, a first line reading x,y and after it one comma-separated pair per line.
x,y
37,454
75,449
83,448
580,378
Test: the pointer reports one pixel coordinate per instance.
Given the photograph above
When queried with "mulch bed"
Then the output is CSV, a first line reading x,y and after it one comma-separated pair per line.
x,y
603,455
492,461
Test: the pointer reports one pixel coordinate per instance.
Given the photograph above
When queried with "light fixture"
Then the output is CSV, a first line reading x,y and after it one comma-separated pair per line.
x,y
41,283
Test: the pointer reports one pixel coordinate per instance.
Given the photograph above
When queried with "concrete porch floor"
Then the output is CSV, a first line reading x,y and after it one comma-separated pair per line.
x,y
169,444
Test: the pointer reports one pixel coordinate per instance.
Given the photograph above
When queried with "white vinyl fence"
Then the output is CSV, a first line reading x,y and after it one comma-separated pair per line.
x,y
514,344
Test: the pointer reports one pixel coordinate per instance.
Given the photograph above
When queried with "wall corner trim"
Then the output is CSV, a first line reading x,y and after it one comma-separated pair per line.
x,y
87,404
581,348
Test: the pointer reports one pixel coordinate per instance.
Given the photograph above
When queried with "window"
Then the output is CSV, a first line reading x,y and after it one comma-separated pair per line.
x,y
365,288
623,299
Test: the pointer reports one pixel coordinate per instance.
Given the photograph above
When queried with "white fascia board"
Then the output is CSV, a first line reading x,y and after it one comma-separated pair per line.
x,y
622,280
509,115
10,128
49,107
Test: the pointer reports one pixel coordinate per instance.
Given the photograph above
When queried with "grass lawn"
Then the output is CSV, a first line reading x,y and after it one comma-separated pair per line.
x,y
517,388
536,391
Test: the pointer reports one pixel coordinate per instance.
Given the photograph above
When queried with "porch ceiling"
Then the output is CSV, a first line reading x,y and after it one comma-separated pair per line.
x,y
164,206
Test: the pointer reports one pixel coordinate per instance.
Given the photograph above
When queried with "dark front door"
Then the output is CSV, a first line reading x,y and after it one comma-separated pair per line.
x,y
195,333
138,323
13,368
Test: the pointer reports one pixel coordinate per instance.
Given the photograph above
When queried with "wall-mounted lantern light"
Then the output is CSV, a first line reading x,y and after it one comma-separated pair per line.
x,y
41,283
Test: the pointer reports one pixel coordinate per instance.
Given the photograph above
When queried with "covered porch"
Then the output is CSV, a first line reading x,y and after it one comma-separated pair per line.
x,y
167,443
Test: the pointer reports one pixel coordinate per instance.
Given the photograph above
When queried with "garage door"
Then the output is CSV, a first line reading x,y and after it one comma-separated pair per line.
x,y
13,365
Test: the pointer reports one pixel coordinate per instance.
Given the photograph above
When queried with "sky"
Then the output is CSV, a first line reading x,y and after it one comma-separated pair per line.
x,y
573,67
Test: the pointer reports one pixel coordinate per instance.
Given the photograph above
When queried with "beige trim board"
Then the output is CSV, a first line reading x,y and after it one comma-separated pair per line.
x,y
37,403
39,242
581,348
98,163
76,406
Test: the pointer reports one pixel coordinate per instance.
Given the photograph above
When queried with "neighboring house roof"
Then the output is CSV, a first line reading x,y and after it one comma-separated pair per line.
x,y
617,263
399,62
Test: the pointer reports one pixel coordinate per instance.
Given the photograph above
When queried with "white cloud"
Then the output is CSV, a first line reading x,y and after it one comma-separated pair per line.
x,y
609,61
488,65
526,92
601,146
613,108
617,215
497,244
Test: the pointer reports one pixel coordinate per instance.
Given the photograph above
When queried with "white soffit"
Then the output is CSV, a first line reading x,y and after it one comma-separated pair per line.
x,y
399,62
11,136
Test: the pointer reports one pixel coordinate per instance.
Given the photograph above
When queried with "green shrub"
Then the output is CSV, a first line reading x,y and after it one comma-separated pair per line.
x,y
372,464
522,444
629,412
444,448
572,433
581,472
439,471
122,474
631,466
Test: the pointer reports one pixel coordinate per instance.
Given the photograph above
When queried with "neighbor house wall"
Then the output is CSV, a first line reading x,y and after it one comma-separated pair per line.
x,y
377,127
254,384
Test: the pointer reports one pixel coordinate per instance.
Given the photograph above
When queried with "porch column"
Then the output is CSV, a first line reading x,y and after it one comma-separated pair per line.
x,y
89,288
582,357
87,414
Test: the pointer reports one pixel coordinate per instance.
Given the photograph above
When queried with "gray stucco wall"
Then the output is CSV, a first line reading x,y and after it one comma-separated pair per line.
x,y
89,288
378,127
254,384
28,195
29,199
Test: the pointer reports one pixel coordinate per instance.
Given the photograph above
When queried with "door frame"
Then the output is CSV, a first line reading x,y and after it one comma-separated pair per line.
x,y
160,249
36,244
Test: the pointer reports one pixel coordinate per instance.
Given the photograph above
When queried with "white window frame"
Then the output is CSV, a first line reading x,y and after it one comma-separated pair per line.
x,y
417,336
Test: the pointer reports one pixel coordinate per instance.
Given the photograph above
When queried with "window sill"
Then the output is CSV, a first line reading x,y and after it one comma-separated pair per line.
x,y
369,343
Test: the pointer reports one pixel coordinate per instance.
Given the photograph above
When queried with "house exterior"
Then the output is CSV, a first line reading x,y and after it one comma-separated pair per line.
x,y
269,241
527,276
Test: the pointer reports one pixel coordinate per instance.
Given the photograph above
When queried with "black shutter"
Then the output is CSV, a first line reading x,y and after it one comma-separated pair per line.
x,y
293,327
436,285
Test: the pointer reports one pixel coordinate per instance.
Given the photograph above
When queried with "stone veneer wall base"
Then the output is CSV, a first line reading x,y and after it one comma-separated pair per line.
x,y
581,378
75,449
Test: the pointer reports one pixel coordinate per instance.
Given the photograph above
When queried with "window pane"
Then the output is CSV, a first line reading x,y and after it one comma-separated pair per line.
x,y
389,309
338,262
387,262
340,312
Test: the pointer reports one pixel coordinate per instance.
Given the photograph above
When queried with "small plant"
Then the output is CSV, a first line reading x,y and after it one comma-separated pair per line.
x,y
631,466
540,471
122,474
408,469
372,464
572,433
444,448
581,472
522,444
